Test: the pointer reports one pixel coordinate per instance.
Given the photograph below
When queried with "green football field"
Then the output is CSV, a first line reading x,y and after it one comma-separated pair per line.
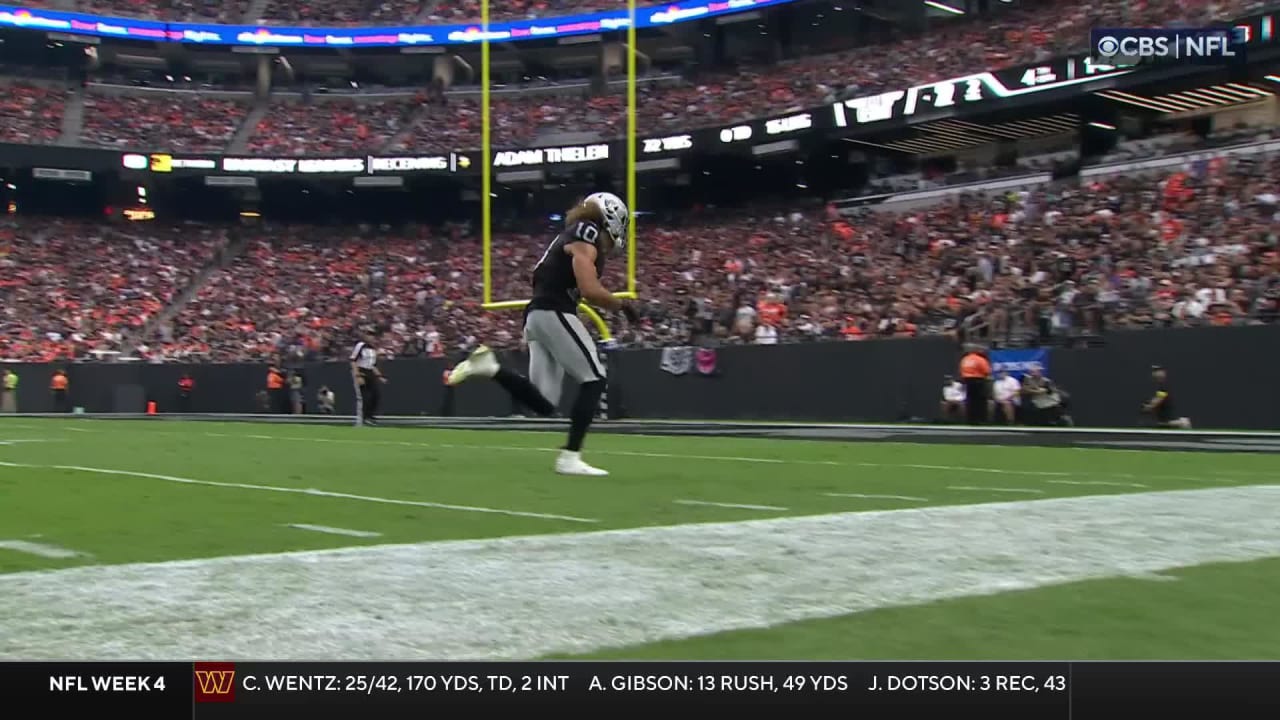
x,y
172,540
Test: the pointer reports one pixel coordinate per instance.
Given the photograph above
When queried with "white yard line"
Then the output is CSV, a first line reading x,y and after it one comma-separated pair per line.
x,y
306,491
335,530
975,488
524,597
43,550
739,506
957,468
729,458
877,497
1103,483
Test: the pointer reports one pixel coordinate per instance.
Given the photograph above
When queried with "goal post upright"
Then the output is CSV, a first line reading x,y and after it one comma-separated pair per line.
x,y
632,190
486,182
486,154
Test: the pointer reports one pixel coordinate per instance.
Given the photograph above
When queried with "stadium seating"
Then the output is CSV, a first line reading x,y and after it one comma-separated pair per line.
x,y
450,11
343,12
1019,36
328,128
30,113
68,288
1167,253
189,122
183,122
391,12
304,288
220,11
1123,251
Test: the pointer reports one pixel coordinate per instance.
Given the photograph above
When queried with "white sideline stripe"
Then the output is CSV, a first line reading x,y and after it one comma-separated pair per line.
x,y
955,468
76,429
975,488
1096,482
759,460
522,448
740,506
526,597
335,530
42,549
307,491
678,456
877,497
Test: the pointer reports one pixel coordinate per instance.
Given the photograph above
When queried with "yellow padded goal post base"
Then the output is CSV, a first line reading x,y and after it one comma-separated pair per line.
x,y
583,308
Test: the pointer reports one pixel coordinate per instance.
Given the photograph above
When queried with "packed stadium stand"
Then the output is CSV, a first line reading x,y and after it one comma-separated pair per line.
x,y
220,11
392,12
1186,246
1067,21
174,121
464,10
344,12
330,127
188,121
69,288
30,113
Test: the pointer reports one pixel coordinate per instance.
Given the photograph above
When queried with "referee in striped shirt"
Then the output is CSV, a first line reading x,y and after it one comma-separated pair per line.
x,y
367,379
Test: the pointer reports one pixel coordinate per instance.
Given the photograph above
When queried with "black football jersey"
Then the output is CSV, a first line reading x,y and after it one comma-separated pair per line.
x,y
554,285
1166,412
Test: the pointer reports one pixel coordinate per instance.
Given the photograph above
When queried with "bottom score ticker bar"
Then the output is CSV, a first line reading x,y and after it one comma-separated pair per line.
x,y
1028,690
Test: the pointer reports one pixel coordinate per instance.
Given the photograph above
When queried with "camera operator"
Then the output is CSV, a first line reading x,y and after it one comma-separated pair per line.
x,y
1043,402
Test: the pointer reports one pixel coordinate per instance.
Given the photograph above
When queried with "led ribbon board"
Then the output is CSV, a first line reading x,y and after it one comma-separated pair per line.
x,y
377,36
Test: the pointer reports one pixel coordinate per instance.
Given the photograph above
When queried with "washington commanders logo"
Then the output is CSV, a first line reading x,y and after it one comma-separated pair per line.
x,y
215,682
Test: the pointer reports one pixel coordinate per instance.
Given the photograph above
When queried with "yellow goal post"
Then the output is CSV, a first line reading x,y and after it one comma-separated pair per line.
x,y
486,183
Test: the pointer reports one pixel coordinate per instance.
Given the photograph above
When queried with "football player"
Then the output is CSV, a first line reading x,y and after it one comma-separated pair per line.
x,y
567,273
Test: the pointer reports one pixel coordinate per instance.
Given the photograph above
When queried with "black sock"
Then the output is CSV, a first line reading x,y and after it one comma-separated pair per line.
x,y
584,411
524,391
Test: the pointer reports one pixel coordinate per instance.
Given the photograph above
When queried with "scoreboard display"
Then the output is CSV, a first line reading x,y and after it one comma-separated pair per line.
x,y
982,87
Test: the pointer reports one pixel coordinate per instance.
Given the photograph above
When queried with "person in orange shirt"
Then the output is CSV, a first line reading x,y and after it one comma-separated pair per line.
x,y
276,390
975,373
59,385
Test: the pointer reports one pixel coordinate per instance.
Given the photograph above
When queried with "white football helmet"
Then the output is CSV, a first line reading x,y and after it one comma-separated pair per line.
x,y
615,215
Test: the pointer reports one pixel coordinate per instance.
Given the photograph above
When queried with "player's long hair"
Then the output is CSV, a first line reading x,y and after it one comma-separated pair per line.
x,y
582,211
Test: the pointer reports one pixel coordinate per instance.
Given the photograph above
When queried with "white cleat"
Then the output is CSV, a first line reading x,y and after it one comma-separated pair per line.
x,y
570,463
480,363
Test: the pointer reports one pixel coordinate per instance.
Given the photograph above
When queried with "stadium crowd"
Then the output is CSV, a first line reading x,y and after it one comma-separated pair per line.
x,y
69,288
180,122
187,121
458,11
329,128
1194,246
343,12
30,113
220,11
1030,16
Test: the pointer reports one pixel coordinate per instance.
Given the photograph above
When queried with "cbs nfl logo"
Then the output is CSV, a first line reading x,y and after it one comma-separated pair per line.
x,y
1124,47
